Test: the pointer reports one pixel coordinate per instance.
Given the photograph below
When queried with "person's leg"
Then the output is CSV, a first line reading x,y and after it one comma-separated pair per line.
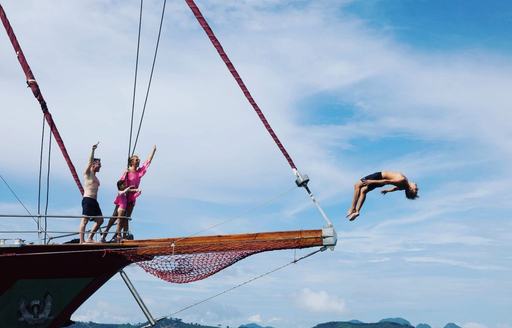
x,y
357,191
95,211
120,224
129,211
81,230
109,225
95,228
360,201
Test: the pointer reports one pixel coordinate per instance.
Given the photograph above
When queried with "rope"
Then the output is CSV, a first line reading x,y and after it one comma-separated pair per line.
x,y
17,198
34,86
220,50
150,76
135,78
247,282
209,32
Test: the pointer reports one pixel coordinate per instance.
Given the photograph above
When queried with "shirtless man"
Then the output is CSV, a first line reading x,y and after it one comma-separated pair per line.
x,y
90,206
376,180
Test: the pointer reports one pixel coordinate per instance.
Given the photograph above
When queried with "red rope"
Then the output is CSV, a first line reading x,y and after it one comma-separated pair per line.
x,y
32,83
204,24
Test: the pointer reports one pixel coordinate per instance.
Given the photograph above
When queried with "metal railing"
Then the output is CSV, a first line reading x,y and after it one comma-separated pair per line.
x,y
57,233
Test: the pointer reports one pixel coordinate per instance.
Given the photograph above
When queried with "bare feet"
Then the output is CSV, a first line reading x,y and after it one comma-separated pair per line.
x,y
349,212
353,216
90,241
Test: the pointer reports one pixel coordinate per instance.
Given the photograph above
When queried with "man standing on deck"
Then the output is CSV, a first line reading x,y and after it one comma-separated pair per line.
x,y
90,206
376,180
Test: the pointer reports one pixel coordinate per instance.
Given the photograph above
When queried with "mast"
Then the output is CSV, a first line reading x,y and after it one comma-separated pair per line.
x,y
34,86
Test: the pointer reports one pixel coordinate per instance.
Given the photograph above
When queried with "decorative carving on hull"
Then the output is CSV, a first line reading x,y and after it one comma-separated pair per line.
x,y
36,311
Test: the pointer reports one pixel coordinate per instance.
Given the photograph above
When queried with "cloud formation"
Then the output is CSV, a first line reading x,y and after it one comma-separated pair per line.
x,y
320,301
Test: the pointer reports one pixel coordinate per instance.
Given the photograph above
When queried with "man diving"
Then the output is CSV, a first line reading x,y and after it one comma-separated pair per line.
x,y
376,180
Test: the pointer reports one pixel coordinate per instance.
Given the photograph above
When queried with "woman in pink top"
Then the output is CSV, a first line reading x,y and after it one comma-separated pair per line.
x,y
133,175
131,178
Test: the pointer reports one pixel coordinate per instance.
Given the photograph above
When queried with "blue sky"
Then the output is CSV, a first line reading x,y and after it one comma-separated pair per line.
x,y
351,87
442,25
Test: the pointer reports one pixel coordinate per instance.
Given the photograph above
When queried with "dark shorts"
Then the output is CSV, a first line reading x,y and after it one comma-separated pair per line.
x,y
373,176
90,207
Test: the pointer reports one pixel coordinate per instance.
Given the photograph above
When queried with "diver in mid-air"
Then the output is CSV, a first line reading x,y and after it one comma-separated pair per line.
x,y
376,180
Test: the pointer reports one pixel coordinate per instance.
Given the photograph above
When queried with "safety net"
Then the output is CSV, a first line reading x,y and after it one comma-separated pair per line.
x,y
190,259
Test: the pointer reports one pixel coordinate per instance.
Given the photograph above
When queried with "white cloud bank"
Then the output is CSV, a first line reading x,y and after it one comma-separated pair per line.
x,y
320,302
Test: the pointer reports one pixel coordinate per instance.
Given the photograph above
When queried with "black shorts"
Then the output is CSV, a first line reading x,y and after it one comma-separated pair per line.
x,y
90,207
373,176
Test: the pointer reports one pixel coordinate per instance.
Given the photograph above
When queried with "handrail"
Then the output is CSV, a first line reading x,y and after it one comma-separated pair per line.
x,y
62,216
60,234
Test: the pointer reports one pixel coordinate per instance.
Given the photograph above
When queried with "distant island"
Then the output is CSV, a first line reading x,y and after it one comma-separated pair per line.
x,y
178,323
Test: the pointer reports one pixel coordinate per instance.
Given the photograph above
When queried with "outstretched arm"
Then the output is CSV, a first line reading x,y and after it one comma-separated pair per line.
x,y
153,151
91,159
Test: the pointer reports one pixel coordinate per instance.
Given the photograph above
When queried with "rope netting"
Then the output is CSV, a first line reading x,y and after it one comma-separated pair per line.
x,y
191,267
196,258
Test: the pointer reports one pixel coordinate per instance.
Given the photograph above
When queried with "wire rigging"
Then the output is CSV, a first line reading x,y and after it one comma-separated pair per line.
x,y
239,216
17,198
135,79
246,282
39,179
48,170
150,76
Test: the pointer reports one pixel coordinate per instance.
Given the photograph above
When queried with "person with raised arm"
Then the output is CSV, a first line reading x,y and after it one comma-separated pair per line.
x,y
397,180
131,178
90,207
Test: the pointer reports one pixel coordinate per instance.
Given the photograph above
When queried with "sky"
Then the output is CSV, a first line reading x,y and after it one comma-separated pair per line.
x,y
351,87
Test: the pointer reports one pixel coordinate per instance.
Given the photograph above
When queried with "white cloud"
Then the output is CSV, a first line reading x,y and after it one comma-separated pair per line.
x,y
320,301
256,318
444,261
503,325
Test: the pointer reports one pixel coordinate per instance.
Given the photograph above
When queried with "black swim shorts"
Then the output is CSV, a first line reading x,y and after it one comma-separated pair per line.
x,y
90,207
373,176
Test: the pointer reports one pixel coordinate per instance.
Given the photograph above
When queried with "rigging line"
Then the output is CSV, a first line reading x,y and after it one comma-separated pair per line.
x,y
135,79
17,198
39,180
216,43
323,248
48,164
150,77
36,91
239,216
